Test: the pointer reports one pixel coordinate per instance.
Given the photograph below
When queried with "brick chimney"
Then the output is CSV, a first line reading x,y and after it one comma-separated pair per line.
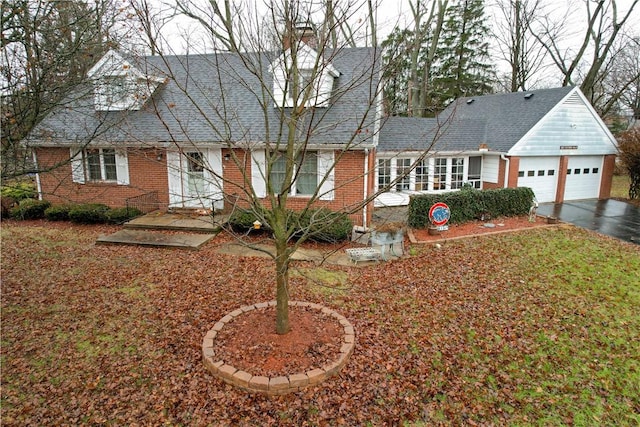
x,y
305,33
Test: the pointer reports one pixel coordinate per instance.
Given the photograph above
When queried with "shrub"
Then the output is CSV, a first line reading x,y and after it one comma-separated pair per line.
x,y
58,212
122,215
19,191
243,219
89,213
30,209
470,204
324,225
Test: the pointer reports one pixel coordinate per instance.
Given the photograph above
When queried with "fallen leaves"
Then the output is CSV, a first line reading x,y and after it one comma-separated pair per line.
x,y
486,331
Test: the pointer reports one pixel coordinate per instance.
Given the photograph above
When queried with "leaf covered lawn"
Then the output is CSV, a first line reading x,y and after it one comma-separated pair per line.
x,y
539,327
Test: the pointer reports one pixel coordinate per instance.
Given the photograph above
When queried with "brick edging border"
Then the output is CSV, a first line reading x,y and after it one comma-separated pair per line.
x,y
282,384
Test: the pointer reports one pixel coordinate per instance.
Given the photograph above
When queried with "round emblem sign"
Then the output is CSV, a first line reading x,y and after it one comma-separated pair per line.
x,y
439,214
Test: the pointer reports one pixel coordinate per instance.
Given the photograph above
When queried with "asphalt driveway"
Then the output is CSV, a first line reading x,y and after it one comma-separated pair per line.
x,y
610,217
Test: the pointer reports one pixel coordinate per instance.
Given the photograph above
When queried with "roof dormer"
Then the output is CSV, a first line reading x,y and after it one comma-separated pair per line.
x,y
311,79
118,85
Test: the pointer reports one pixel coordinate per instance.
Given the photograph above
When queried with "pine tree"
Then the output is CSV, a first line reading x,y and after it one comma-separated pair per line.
x,y
463,67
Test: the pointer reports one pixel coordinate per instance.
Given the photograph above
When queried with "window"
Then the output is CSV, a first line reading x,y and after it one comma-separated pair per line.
x,y
384,173
107,165
520,174
541,173
440,174
457,172
531,173
305,173
403,169
551,172
576,171
475,171
594,170
585,170
422,175
195,173
101,164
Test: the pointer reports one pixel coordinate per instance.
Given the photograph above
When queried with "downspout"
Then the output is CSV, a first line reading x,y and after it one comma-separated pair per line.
x,y
506,170
366,187
38,184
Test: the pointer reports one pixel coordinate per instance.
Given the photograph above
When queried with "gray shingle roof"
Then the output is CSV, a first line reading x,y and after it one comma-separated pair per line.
x,y
215,98
499,121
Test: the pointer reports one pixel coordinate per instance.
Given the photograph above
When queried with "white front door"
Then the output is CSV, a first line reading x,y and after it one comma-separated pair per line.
x,y
583,177
195,178
541,175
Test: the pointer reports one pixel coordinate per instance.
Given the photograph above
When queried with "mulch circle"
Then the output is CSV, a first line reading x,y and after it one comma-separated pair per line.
x,y
244,350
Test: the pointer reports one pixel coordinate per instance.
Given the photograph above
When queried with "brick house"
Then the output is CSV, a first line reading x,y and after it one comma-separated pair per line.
x,y
200,131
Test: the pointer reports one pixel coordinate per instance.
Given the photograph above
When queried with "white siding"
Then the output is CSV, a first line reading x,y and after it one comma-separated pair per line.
x,y
573,123
491,169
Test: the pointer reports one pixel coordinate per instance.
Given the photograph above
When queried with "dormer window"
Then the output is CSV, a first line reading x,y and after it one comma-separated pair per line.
x,y
115,93
118,86
315,79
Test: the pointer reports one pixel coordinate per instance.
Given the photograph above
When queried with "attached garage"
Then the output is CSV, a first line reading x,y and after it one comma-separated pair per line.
x,y
583,177
541,175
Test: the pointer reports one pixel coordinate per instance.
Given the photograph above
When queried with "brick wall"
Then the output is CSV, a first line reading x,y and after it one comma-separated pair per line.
x,y
146,174
349,183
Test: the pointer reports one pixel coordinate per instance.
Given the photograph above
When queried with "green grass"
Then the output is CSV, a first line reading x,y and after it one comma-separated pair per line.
x,y
620,187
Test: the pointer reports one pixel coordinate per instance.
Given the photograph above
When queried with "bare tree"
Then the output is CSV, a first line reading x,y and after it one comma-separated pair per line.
x,y
289,142
513,30
604,27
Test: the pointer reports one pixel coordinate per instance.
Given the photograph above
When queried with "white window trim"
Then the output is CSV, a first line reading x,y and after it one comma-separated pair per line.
x,y
431,168
325,176
80,172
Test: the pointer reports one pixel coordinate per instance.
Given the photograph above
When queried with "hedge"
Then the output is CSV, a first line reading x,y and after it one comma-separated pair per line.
x,y
322,225
121,215
30,209
58,212
469,204
89,213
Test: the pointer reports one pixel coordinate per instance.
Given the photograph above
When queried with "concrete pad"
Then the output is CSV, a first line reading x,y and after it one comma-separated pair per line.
x,y
180,222
156,239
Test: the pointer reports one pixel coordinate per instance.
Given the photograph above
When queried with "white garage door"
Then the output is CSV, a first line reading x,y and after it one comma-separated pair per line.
x,y
583,177
541,175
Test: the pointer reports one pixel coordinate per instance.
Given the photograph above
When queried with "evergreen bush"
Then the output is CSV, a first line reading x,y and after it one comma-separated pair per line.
x,y
89,213
30,209
58,212
470,204
121,215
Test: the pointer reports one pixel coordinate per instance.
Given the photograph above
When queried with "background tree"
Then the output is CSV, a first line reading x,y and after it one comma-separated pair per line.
x,y
463,67
410,56
47,49
515,43
589,64
629,146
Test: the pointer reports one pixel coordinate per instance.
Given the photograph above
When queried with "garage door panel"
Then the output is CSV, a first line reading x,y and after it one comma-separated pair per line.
x,y
583,177
541,175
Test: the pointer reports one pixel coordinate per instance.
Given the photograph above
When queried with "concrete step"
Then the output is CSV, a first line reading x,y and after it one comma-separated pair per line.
x,y
155,239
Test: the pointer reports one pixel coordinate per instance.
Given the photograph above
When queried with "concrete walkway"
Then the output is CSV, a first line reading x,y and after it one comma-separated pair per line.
x,y
155,239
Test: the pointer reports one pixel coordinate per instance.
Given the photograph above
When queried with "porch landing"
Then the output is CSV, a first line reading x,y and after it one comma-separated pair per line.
x,y
160,220
164,229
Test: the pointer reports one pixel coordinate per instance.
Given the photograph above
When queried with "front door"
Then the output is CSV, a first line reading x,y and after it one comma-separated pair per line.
x,y
195,178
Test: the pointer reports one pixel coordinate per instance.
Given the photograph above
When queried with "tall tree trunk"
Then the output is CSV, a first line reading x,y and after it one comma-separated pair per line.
x,y
282,287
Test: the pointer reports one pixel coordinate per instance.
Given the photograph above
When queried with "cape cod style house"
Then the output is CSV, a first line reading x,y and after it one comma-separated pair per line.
x,y
194,131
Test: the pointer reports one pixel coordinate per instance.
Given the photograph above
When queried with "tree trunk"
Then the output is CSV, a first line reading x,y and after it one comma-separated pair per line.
x,y
282,287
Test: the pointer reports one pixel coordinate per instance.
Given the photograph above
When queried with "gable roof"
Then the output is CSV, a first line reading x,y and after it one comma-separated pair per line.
x,y
218,98
500,121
